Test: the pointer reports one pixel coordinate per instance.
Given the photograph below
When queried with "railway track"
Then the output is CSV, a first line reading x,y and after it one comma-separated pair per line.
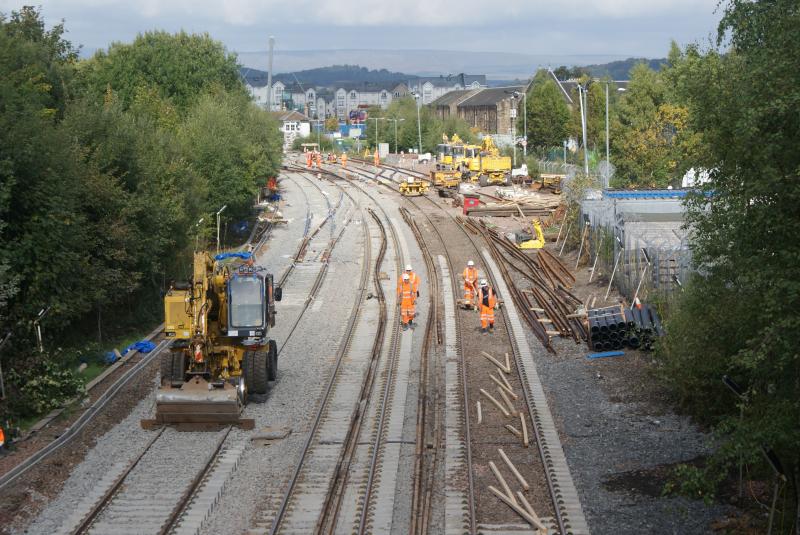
x,y
568,513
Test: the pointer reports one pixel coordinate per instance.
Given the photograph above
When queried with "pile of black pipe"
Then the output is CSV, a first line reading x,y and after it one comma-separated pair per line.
x,y
616,327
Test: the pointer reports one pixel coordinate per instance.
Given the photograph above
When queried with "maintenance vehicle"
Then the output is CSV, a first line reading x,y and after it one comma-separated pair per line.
x,y
218,323
413,188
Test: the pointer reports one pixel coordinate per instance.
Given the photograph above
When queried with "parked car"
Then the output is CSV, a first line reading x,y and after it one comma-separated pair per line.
x,y
426,157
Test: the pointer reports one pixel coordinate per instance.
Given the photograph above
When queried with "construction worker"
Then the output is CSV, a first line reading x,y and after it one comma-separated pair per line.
x,y
308,159
319,160
407,296
414,278
470,277
2,438
377,159
488,302
344,160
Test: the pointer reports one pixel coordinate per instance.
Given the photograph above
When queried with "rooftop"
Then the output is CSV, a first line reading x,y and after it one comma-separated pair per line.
x,y
491,96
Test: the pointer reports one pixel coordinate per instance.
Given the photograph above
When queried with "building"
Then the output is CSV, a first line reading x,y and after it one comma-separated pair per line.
x,y
486,109
293,125
434,87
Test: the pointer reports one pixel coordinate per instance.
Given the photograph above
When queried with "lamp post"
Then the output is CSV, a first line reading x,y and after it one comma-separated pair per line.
x,y
417,101
218,214
197,233
513,112
376,119
37,327
524,121
581,95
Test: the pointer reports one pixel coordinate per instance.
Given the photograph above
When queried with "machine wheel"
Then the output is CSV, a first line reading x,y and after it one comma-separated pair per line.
x,y
508,180
484,181
178,367
166,366
255,371
272,361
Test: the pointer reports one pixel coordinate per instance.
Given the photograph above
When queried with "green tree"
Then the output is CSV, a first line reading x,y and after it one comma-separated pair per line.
x,y
741,316
548,113
180,66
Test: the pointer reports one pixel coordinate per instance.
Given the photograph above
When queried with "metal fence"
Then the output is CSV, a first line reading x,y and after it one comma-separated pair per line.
x,y
641,241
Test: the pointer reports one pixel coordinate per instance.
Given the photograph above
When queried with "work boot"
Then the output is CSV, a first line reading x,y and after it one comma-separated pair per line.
x,y
405,326
491,327
484,331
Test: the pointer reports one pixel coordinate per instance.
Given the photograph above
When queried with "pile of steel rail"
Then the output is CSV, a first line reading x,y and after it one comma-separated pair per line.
x,y
547,305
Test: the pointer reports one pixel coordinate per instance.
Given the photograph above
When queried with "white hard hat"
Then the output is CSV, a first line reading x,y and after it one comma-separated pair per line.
x,y
484,282
405,276
410,180
470,263
408,267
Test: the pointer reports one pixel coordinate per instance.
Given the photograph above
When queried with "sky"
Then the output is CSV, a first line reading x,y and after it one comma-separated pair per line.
x,y
580,30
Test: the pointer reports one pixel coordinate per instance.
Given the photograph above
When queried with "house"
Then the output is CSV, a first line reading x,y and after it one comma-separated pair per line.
x,y
352,97
293,124
485,109
434,87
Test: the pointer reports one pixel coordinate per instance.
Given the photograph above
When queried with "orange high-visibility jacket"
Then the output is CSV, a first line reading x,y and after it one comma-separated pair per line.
x,y
405,291
470,275
492,300
413,278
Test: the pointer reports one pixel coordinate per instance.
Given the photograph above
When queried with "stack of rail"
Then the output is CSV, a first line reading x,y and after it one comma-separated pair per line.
x,y
547,305
618,327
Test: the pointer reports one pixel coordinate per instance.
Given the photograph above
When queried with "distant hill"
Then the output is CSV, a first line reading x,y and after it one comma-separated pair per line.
x,y
333,75
621,70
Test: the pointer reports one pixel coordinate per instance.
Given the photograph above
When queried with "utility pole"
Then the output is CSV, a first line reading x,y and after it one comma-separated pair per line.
x,y
269,73
417,100
197,234
513,113
218,214
581,94
608,161
37,327
395,132
376,119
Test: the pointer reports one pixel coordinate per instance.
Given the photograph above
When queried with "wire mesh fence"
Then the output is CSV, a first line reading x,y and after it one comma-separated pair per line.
x,y
640,245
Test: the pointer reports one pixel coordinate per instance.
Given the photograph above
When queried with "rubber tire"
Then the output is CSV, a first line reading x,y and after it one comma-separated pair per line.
x,y
272,361
255,372
166,366
483,181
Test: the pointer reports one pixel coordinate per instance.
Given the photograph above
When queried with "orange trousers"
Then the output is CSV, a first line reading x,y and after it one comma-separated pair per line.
x,y
407,310
487,316
469,291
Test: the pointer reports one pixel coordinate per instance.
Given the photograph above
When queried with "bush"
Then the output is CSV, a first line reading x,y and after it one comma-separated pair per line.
x,y
41,387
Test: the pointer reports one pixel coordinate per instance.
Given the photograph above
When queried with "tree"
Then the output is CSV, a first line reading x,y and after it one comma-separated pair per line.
x,y
740,316
548,114
653,142
332,124
180,66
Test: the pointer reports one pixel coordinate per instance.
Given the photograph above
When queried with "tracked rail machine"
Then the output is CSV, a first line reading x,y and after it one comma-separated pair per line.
x,y
220,353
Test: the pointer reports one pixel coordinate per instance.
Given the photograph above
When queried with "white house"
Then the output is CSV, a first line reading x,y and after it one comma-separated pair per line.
x,y
433,87
293,125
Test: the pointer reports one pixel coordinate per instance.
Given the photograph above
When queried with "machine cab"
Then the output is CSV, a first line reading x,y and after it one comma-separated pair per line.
x,y
251,303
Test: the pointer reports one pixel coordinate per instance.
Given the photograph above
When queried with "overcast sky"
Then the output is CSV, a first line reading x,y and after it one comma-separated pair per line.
x,y
641,28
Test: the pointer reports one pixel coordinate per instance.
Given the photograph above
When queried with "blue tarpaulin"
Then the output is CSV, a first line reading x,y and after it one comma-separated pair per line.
x,y
225,256
142,346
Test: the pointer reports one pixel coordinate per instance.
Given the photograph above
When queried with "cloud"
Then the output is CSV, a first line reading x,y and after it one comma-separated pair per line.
x,y
353,13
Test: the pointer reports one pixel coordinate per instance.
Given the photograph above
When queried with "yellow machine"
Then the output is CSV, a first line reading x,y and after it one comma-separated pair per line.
x,y
528,242
220,352
413,188
494,169
471,164
549,181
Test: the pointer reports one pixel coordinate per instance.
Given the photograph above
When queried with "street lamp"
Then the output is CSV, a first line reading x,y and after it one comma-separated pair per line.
x,y
218,214
514,97
581,96
524,121
418,101
376,119
197,233
38,327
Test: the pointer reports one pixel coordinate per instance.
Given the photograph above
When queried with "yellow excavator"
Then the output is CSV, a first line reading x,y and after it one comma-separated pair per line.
x,y
495,169
526,241
449,154
220,353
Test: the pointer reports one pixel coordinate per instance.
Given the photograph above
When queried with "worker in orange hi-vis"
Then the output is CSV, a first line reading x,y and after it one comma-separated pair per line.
x,y
405,292
470,277
344,159
319,160
377,159
488,302
308,159
414,278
